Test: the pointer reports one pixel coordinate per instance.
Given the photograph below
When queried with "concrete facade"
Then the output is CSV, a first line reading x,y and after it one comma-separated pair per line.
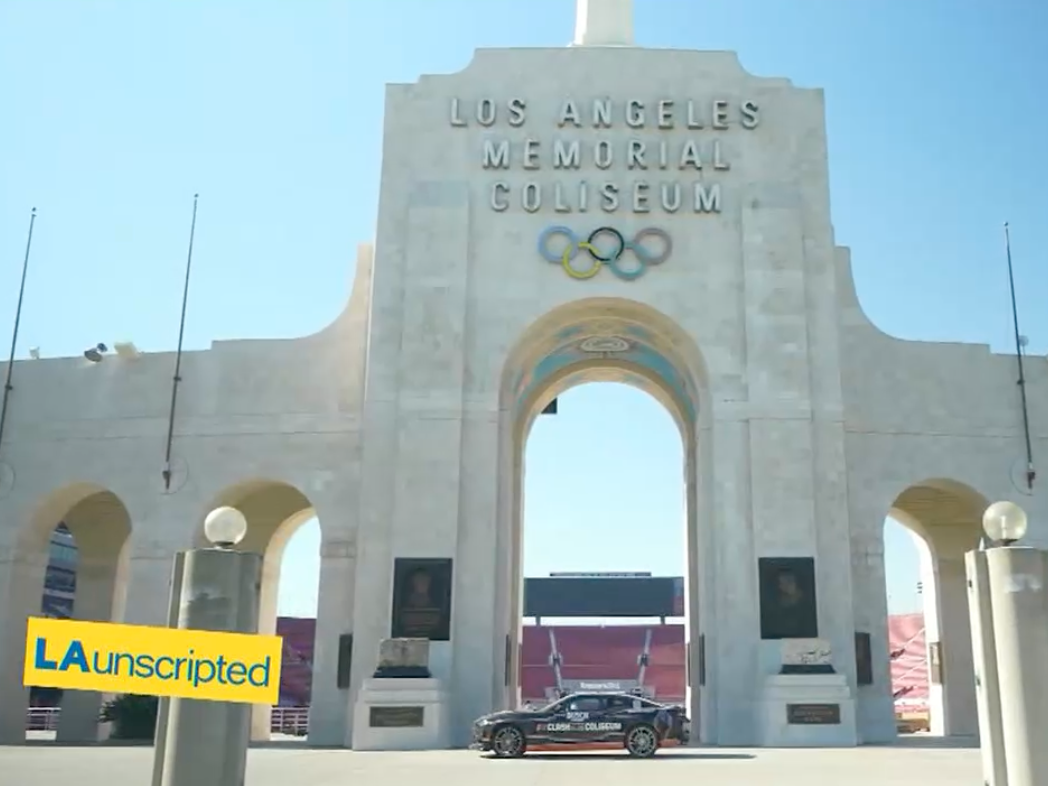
x,y
402,425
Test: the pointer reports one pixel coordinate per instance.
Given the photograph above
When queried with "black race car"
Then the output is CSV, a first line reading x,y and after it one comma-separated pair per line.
x,y
592,720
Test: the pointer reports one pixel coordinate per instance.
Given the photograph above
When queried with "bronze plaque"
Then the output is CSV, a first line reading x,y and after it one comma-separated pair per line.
x,y
787,598
935,663
396,717
813,714
863,659
421,599
702,659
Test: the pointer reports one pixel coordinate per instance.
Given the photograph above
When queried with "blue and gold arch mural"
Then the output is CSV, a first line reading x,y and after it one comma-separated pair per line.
x,y
628,343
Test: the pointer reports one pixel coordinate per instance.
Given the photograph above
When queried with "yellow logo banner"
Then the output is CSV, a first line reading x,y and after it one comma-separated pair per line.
x,y
189,664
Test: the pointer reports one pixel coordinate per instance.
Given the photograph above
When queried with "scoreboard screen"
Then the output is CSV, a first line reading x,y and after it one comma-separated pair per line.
x,y
640,596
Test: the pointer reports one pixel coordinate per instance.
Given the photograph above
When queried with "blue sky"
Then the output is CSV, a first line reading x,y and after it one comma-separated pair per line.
x,y
115,113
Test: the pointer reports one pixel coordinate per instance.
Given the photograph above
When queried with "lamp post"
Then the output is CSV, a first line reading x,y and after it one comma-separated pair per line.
x,y
1009,608
1004,523
205,743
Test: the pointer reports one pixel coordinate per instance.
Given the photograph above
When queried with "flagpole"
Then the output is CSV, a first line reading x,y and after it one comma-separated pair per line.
x,y
178,353
1030,472
18,321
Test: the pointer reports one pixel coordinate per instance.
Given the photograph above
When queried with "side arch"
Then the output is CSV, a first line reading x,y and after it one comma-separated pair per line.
x,y
946,515
85,577
275,510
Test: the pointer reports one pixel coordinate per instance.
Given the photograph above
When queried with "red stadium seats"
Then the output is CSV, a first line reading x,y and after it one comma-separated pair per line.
x,y
604,653
534,682
666,673
667,682
612,653
593,648
667,646
296,672
535,648
909,663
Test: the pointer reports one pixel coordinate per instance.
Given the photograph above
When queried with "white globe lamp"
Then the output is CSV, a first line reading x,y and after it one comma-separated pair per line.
x,y
1004,523
225,527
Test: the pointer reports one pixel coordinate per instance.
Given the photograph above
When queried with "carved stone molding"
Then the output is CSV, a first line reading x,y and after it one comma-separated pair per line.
x,y
338,549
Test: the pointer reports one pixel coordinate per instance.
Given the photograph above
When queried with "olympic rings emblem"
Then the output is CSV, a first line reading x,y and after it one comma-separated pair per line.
x,y
605,246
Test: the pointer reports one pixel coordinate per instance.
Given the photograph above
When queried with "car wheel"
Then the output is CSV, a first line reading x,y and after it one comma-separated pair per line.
x,y
508,742
642,741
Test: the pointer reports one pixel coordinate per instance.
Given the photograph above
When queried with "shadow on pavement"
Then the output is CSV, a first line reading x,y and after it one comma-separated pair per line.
x,y
661,756
44,743
931,741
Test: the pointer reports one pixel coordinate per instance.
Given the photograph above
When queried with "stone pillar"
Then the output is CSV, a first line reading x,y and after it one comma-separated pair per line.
x,y
21,588
984,653
262,714
477,633
206,742
699,587
329,705
148,586
96,585
959,708
874,705
163,716
1019,596
603,23
733,629
370,602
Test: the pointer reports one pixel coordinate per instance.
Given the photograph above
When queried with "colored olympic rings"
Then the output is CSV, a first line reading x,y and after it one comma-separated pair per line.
x,y
605,246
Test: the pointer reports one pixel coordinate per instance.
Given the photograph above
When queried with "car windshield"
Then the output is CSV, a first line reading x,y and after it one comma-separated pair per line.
x,y
551,707
562,702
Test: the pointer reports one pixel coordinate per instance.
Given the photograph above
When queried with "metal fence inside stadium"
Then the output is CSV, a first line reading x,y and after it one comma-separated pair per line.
x,y
292,721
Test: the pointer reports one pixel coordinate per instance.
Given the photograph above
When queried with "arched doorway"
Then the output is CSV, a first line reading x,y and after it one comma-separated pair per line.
x,y
603,540
597,340
71,560
946,516
274,511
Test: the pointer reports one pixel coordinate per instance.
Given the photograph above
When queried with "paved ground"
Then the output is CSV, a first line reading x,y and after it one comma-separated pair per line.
x,y
921,762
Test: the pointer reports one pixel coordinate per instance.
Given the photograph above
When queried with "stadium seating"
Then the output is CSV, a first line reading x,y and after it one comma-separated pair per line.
x,y
535,647
667,646
535,682
617,648
536,669
296,672
666,674
667,682
909,659
600,653
610,653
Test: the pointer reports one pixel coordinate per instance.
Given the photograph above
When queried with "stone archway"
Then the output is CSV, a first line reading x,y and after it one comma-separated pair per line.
x,y
947,516
275,511
100,526
597,340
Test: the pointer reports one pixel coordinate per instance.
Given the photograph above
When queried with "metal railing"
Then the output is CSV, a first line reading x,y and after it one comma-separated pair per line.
x,y
284,720
42,719
290,720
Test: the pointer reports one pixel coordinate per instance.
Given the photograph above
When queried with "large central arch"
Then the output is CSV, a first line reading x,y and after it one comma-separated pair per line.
x,y
596,340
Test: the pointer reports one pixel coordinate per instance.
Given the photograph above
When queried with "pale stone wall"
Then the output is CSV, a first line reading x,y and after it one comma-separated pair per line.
x,y
248,411
919,412
400,427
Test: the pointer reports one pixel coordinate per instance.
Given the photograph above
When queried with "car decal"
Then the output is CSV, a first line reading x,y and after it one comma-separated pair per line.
x,y
570,727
